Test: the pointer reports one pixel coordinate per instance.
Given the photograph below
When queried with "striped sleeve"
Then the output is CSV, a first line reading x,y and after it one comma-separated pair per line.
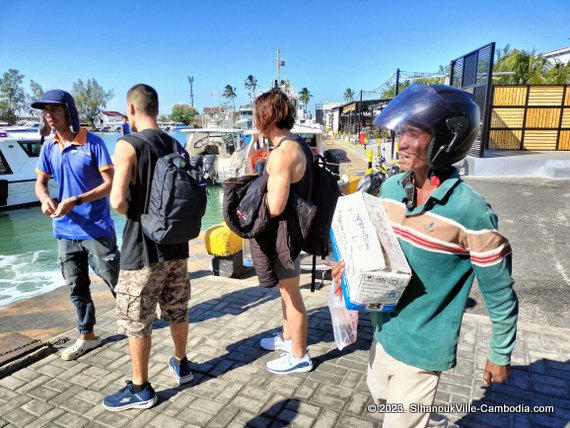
x,y
491,258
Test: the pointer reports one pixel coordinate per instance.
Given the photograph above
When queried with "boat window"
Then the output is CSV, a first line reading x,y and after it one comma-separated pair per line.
x,y
4,167
32,148
310,139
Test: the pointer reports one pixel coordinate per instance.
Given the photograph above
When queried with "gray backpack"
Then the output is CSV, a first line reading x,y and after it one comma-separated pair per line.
x,y
177,200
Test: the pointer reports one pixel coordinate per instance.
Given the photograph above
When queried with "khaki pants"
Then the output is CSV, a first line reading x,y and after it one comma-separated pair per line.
x,y
400,384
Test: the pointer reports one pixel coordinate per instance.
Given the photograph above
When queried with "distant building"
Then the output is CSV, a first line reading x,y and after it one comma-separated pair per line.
x,y
326,115
216,116
109,120
561,56
356,116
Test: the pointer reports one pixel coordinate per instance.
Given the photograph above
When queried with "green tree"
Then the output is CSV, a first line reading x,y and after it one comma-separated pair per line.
x,y
36,93
12,95
305,96
37,90
90,99
230,94
251,84
526,67
558,73
349,94
183,113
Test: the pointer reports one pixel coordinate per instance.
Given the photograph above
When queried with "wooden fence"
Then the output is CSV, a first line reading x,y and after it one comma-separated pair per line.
x,y
530,117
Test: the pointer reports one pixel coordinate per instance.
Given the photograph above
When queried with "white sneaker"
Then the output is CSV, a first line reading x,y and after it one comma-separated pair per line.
x,y
79,348
287,364
276,342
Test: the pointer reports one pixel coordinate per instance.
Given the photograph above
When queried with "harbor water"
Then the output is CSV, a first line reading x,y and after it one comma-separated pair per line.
x,y
28,251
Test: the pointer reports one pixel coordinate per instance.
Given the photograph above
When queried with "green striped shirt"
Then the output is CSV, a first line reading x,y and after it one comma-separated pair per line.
x,y
448,241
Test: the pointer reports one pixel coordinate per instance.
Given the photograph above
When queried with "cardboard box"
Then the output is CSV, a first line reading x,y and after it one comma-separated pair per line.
x,y
376,270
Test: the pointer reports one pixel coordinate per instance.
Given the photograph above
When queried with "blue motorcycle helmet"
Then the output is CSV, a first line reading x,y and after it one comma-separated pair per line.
x,y
449,114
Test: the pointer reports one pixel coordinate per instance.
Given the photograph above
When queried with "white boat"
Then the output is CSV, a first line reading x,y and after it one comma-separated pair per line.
x,y
258,147
219,150
28,128
245,120
19,152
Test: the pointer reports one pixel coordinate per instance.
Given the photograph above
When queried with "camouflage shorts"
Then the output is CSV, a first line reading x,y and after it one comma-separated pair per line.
x,y
139,292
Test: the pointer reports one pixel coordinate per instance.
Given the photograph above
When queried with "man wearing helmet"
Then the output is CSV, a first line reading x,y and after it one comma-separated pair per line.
x,y
449,235
81,166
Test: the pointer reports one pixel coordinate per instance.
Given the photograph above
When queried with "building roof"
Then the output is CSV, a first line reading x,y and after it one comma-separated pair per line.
x,y
111,113
213,110
557,52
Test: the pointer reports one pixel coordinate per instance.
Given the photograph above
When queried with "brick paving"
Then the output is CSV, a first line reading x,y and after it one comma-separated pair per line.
x,y
232,388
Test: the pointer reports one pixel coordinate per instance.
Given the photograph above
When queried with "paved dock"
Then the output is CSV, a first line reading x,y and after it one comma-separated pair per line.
x,y
228,317
232,388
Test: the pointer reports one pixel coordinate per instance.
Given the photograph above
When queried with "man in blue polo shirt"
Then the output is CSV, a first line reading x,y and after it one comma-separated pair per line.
x,y
81,166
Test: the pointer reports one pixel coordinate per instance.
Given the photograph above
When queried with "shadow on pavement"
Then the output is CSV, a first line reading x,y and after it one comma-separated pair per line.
x,y
281,414
521,399
244,352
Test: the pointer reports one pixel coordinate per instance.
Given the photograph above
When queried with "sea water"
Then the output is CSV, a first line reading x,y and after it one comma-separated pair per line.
x,y
28,251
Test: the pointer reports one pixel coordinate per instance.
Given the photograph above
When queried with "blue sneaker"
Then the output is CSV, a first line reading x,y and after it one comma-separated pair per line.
x,y
287,363
127,399
181,370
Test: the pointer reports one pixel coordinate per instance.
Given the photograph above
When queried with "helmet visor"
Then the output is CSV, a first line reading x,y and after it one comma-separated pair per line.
x,y
418,105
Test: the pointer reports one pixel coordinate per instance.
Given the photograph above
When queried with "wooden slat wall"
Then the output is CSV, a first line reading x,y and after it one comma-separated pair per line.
x,y
545,95
542,117
509,96
564,143
530,117
566,118
507,118
505,140
540,140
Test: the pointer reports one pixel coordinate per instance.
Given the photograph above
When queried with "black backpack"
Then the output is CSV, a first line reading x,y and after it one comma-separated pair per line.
x,y
324,193
177,200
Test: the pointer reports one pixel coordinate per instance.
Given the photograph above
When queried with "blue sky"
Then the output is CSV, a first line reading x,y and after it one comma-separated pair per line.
x,y
328,45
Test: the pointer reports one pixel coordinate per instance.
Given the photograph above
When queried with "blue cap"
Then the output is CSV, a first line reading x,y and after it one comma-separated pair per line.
x,y
58,96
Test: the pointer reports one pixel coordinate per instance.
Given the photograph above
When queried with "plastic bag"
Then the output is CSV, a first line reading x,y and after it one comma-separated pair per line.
x,y
344,321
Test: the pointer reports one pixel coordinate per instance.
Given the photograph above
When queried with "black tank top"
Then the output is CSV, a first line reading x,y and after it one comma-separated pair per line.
x,y
303,186
137,249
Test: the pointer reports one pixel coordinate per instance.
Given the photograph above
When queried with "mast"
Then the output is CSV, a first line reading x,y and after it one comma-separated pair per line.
x,y
280,63
279,66
191,81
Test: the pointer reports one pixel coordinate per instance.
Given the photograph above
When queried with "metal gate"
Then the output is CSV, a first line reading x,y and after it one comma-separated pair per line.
x,y
473,72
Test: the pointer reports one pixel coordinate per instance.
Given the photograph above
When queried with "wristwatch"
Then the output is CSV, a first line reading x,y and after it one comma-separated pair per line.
x,y
78,201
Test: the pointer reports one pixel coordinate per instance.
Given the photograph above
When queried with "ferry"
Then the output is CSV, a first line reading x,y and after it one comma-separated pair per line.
x,y
219,151
19,152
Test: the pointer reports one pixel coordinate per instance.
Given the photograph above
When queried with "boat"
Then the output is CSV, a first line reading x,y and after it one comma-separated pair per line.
x,y
245,117
29,127
258,147
219,151
19,152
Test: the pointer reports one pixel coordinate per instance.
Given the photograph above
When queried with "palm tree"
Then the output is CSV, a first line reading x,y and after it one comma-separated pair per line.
x,y
251,84
230,94
558,73
349,94
305,97
527,68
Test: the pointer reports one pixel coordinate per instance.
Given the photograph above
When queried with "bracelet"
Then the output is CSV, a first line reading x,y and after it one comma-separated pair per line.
x,y
44,198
